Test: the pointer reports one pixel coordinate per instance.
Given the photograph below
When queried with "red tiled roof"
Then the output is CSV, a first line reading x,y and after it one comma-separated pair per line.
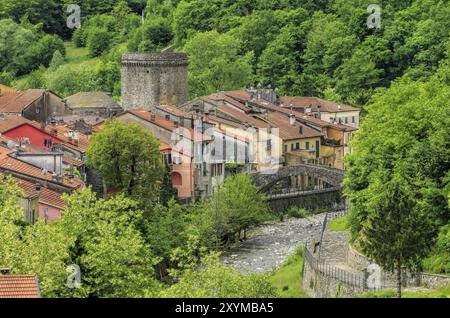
x,y
4,152
61,130
227,99
174,111
243,118
46,196
314,103
289,132
166,124
12,121
71,161
17,102
19,286
244,95
14,165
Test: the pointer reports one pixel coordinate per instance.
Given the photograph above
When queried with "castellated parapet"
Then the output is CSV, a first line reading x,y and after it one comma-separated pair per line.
x,y
152,79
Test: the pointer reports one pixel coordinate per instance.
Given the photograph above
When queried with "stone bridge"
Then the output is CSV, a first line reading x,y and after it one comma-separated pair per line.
x,y
331,176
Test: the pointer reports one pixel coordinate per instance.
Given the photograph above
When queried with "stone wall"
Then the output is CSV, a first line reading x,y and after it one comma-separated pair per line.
x,y
151,79
357,260
360,262
313,201
434,281
328,175
323,280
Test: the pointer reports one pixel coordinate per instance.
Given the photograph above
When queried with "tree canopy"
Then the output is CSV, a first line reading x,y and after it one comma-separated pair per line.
x,y
128,158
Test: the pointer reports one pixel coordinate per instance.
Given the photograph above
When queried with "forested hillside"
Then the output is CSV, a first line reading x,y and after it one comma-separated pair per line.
x,y
303,47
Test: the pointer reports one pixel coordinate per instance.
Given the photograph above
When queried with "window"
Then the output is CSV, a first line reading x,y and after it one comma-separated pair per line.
x,y
292,146
340,120
346,120
307,145
353,119
217,170
297,146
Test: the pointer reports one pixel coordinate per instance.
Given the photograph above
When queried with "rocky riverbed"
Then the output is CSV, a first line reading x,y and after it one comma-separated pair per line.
x,y
273,244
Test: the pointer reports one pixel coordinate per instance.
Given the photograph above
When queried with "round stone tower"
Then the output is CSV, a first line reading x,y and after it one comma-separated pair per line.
x,y
152,79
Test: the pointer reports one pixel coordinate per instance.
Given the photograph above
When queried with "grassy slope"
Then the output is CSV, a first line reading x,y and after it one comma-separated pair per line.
x,y
77,57
288,278
340,224
439,293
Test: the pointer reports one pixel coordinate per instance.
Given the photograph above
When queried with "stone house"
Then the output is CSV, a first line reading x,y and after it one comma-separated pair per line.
x,y
92,104
34,104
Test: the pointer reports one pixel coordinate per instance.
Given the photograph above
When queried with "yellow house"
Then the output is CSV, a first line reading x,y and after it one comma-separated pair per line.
x,y
6,89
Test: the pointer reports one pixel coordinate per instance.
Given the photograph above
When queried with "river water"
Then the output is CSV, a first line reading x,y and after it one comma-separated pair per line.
x,y
272,246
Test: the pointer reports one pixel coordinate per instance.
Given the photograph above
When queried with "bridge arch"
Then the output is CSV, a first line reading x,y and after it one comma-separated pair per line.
x,y
331,176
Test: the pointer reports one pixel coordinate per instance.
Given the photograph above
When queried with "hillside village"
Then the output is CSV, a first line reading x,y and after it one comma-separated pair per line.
x,y
44,138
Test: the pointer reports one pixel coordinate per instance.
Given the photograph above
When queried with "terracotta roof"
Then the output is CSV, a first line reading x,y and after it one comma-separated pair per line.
x,y
15,165
242,117
46,196
165,124
314,103
223,97
17,102
244,95
61,131
91,100
12,121
4,152
19,286
289,132
73,162
174,111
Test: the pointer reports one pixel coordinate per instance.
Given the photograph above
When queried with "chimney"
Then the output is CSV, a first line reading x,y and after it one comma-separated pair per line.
x,y
319,114
301,130
153,118
292,120
196,108
176,124
38,187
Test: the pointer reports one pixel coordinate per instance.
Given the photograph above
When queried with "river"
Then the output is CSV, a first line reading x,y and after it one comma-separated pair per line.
x,y
272,246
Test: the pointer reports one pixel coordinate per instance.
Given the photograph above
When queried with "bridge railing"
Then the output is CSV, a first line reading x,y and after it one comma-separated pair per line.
x,y
294,192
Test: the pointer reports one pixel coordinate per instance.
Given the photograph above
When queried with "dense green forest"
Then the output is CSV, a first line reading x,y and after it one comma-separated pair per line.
x,y
303,47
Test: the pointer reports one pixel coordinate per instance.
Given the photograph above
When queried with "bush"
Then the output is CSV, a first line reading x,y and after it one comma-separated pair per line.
x,y
295,212
98,42
439,261
79,38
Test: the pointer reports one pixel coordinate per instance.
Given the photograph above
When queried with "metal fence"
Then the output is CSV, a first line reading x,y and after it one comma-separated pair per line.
x,y
331,271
